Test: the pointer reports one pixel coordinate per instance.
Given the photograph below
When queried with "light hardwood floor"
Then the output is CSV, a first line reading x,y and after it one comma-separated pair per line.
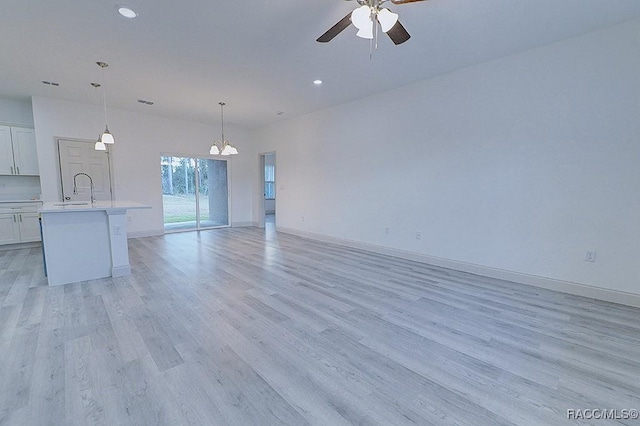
x,y
243,327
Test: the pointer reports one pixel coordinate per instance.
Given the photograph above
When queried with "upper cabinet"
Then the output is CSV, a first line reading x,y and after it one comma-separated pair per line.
x,y
6,151
18,151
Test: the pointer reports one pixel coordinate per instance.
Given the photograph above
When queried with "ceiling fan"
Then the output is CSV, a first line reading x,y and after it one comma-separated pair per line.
x,y
367,18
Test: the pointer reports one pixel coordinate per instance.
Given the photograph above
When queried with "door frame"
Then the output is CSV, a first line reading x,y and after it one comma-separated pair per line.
x,y
261,200
108,153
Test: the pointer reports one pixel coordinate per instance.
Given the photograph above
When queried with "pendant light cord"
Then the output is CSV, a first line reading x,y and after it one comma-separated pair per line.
x,y
222,104
102,66
104,98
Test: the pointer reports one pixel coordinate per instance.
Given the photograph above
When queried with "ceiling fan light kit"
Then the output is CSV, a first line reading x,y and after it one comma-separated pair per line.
x,y
368,18
363,19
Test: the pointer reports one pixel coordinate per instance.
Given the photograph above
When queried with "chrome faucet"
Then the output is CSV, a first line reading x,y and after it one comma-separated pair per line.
x,y
75,187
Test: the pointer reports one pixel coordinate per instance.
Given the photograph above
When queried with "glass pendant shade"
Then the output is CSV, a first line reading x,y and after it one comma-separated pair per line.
x,y
387,19
228,149
100,146
107,137
366,32
361,19
214,150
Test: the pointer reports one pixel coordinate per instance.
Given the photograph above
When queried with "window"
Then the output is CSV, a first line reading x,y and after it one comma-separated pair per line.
x,y
270,182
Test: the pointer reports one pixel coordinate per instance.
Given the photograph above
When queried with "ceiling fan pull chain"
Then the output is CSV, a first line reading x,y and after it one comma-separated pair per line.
x,y
376,25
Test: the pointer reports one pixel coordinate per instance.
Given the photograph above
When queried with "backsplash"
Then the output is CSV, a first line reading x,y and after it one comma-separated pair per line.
x,y
19,188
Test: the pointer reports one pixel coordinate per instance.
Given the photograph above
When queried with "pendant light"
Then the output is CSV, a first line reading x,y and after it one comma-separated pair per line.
x,y
222,147
107,137
99,146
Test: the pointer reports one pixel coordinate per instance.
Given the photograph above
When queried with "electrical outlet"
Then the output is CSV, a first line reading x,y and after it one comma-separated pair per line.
x,y
386,230
590,256
117,230
302,218
128,218
418,235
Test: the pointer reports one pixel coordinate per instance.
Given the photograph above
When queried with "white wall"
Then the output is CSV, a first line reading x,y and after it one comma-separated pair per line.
x,y
14,188
140,139
16,113
519,165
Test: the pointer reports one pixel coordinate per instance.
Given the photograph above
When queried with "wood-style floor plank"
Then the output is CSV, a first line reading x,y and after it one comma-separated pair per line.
x,y
250,327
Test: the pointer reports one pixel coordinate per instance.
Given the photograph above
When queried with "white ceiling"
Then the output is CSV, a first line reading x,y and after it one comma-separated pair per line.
x,y
261,57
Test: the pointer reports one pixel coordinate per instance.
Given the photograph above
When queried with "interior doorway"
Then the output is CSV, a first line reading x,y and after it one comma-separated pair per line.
x,y
268,183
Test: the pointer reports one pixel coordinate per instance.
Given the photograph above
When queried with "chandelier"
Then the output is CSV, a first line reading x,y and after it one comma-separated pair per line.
x,y
222,147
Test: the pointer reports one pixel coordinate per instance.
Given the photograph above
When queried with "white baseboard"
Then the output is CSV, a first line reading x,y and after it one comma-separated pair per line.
x,y
121,271
156,232
568,287
149,233
20,246
244,224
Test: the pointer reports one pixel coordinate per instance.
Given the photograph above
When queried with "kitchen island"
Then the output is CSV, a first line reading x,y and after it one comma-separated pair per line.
x,y
85,241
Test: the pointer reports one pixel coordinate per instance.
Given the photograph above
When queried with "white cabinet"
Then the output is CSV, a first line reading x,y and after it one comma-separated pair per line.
x,y
9,229
29,227
18,154
19,223
6,151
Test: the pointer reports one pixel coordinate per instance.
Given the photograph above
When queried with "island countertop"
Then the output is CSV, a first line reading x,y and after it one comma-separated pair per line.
x,y
79,206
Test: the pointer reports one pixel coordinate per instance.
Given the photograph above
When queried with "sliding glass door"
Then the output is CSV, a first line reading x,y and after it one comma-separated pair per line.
x,y
195,193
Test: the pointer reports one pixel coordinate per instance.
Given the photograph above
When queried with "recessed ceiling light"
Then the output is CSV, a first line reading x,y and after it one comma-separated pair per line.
x,y
145,102
317,82
50,83
127,13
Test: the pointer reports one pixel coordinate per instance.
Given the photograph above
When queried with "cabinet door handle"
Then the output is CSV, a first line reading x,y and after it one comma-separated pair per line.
x,y
11,169
20,218
17,170
14,218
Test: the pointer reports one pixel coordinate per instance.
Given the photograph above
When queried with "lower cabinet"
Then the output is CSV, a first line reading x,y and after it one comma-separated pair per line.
x,y
29,227
20,226
9,229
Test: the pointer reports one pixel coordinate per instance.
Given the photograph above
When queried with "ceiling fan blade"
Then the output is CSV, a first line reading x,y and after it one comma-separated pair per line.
x,y
398,34
336,29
